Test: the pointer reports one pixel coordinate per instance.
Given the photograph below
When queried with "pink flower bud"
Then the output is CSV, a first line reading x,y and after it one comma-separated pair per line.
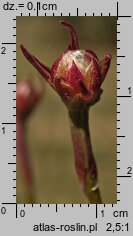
x,y
76,74
26,98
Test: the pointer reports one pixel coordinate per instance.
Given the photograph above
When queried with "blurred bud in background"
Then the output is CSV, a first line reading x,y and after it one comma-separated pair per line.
x,y
27,98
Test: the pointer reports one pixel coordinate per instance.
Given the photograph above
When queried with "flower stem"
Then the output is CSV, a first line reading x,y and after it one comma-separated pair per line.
x,y
84,159
24,161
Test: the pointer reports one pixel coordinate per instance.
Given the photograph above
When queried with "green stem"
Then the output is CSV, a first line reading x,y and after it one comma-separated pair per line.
x,y
23,158
84,159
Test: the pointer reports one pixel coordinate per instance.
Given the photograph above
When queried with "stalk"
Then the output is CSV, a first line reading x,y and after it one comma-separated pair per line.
x,y
24,161
84,158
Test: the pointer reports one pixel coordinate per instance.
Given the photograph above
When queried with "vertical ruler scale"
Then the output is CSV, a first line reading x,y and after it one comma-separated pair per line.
x,y
8,106
71,218
124,100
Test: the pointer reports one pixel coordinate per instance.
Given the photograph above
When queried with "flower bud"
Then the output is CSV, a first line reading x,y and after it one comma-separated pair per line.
x,y
77,74
81,73
26,99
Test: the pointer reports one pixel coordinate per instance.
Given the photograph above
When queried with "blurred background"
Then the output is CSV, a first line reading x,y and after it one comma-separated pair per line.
x,y
48,132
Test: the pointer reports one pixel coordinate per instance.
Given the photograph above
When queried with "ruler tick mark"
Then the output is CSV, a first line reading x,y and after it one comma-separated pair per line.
x,y
11,163
96,211
120,56
124,176
56,208
9,123
77,11
124,96
16,211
